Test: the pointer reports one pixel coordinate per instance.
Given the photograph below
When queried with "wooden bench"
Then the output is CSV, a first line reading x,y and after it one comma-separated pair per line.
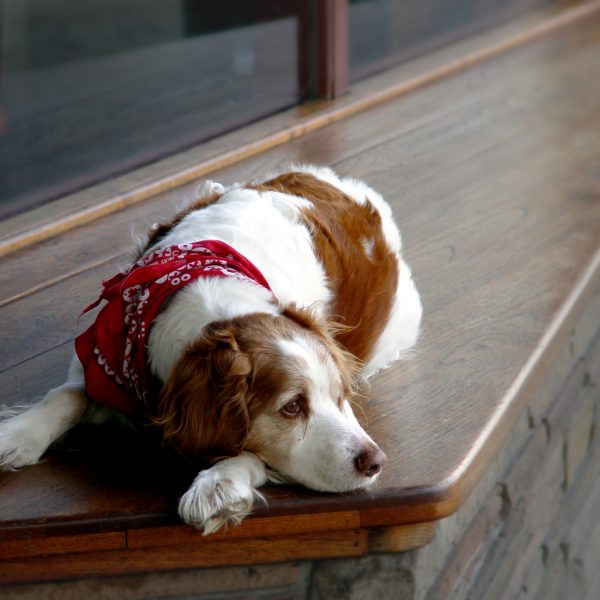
x,y
493,177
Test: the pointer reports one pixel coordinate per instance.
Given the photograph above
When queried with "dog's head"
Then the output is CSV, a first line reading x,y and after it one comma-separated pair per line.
x,y
278,386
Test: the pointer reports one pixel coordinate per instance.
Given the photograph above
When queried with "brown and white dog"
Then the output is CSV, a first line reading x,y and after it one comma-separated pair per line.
x,y
261,373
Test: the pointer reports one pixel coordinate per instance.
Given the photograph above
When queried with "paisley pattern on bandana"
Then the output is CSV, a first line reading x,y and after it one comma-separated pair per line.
x,y
113,349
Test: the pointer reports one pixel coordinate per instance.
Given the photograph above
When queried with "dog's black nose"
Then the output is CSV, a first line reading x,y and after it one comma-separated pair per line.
x,y
368,462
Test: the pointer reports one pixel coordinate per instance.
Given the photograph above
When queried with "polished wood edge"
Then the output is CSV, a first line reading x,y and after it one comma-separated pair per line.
x,y
62,544
93,203
61,557
333,544
583,298
436,505
250,528
400,537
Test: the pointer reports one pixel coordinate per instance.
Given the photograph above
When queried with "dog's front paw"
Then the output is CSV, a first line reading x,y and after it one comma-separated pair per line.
x,y
216,499
18,448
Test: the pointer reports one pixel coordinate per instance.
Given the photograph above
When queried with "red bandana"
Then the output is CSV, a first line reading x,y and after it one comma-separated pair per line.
x,y
113,350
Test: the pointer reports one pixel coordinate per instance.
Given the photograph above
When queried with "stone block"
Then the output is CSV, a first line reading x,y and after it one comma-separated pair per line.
x,y
382,577
287,580
579,433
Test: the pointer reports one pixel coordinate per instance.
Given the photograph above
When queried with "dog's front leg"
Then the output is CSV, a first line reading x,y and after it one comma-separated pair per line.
x,y
25,435
224,493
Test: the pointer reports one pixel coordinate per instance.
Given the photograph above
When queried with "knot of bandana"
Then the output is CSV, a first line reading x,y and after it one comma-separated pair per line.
x,y
113,349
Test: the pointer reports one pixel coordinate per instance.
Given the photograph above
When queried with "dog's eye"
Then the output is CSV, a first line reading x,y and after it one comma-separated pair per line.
x,y
294,407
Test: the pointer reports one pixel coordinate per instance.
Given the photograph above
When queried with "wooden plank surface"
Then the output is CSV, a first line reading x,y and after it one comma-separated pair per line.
x,y
401,537
269,526
62,544
351,542
493,177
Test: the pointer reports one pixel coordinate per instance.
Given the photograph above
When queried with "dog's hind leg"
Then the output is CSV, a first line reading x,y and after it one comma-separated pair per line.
x,y
26,435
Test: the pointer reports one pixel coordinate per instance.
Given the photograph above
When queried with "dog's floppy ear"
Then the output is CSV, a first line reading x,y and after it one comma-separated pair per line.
x,y
203,404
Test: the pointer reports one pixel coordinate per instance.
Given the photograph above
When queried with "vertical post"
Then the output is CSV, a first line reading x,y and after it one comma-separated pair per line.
x,y
306,48
332,48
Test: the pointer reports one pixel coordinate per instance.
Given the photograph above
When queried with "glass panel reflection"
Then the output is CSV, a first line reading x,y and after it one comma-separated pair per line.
x,y
387,32
90,89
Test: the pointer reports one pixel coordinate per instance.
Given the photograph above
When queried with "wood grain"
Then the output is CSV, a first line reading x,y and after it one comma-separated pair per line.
x,y
65,544
187,556
400,538
493,176
261,527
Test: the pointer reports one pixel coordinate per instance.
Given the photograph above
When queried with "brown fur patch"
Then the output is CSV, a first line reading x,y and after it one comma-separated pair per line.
x,y
364,286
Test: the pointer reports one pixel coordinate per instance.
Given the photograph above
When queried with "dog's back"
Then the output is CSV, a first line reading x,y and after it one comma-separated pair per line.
x,y
322,242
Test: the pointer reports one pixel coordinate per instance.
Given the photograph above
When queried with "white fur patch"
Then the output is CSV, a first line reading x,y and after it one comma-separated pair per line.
x,y
263,227
224,493
322,453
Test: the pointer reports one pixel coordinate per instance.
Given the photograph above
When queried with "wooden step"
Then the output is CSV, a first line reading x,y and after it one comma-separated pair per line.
x,y
493,176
